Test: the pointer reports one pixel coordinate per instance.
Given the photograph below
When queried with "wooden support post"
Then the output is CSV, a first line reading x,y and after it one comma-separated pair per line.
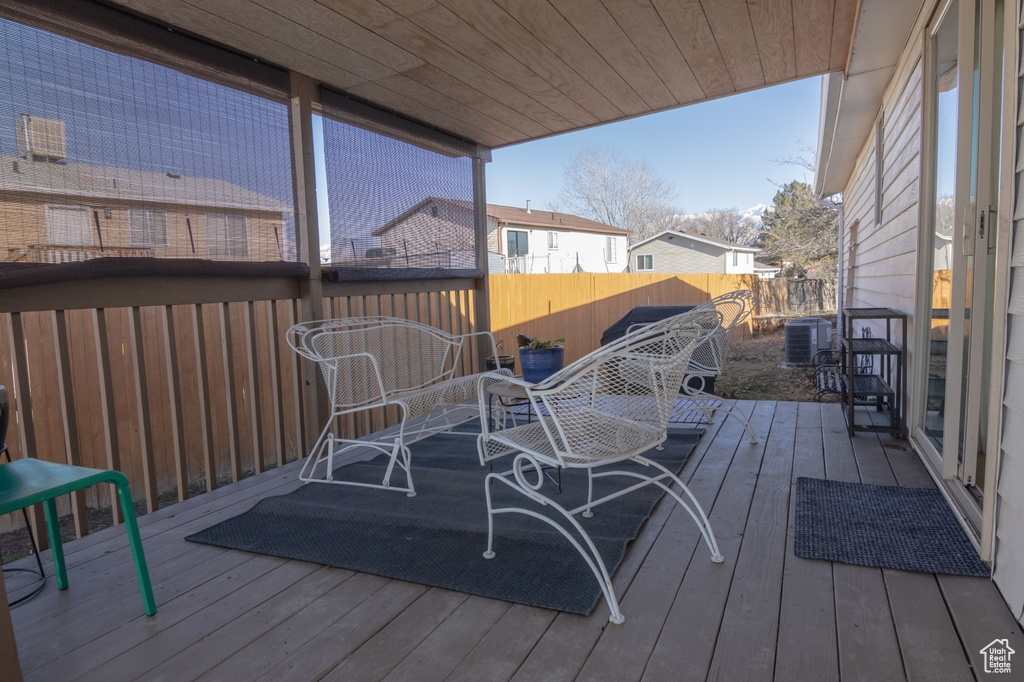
x,y
69,419
107,402
276,381
304,93
203,396
26,421
175,403
258,449
11,667
138,355
227,354
482,298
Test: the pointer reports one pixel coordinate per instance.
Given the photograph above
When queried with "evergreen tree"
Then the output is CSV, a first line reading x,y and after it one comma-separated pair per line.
x,y
801,234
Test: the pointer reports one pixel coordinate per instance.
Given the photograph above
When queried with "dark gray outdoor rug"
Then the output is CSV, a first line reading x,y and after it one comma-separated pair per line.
x,y
911,529
438,537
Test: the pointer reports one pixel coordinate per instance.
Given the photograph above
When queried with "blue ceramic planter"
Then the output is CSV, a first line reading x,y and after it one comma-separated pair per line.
x,y
541,363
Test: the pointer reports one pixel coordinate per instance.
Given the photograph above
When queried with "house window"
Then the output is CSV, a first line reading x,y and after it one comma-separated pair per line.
x,y
735,259
552,241
226,236
68,225
644,261
610,254
148,227
517,243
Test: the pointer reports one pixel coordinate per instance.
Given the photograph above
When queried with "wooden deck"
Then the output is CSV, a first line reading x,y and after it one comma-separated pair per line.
x,y
764,614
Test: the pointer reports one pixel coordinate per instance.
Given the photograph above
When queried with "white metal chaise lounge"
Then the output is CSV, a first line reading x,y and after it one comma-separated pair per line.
x,y
378,362
610,407
709,357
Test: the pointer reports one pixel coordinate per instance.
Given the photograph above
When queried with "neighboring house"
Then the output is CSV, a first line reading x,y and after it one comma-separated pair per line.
x,y
920,134
545,241
434,233
53,211
683,252
766,271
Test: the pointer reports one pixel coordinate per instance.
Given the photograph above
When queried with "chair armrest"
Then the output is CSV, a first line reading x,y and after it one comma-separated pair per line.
x,y
344,368
462,338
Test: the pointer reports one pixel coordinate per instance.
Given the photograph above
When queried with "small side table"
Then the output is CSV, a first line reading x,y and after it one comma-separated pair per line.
x,y
28,481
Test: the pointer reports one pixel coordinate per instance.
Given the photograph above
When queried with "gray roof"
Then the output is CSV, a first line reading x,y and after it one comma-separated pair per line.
x,y
728,246
110,183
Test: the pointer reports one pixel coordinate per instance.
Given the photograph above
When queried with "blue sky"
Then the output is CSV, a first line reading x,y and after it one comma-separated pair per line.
x,y
718,154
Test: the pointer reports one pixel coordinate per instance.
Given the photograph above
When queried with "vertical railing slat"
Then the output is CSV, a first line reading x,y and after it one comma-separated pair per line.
x,y
297,374
227,355
203,396
107,401
138,358
26,423
69,419
249,323
175,404
276,381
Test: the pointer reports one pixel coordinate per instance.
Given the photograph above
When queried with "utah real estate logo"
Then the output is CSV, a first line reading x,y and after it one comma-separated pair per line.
x,y
997,656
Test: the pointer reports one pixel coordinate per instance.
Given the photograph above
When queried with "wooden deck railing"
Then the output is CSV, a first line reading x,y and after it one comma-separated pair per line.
x,y
184,383
181,383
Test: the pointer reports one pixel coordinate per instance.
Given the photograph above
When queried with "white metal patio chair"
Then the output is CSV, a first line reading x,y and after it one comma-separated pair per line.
x,y
610,407
709,357
379,362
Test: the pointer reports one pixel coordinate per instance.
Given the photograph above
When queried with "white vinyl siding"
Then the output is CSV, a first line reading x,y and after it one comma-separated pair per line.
x,y
1009,559
68,225
681,255
148,227
226,236
881,257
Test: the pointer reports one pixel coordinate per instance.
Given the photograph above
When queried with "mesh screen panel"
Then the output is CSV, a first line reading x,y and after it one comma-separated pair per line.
x,y
397,209
107,155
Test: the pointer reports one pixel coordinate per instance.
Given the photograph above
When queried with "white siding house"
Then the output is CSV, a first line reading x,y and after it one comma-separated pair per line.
x,y
683,252
921,136
531,241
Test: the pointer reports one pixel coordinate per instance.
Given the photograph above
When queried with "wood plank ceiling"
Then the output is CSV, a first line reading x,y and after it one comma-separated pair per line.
x,y
498,72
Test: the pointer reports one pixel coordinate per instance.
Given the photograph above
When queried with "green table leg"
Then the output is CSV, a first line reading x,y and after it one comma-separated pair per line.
x,y
56,547
135,542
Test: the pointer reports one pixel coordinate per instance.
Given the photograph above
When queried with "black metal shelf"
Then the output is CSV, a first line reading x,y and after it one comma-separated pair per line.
x,y
884,385
871,346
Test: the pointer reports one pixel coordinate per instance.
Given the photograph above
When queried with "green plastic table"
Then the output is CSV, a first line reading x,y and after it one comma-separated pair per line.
x,y
28,481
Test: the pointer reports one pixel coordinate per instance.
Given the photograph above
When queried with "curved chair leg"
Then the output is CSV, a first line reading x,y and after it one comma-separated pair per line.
x,y
587,550
693,507
729,407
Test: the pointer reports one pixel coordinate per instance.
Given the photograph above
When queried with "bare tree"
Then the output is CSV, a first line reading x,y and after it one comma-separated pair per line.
x,y
727,225
604,186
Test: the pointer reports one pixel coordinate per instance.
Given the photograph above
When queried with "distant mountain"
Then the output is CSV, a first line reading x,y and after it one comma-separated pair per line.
x,y
754,212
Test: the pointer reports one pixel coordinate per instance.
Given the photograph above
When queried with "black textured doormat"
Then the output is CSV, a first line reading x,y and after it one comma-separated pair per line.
x,y
911,529
438,537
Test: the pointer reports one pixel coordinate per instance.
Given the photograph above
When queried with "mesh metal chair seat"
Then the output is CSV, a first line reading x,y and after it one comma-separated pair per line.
x,y
610,407
376,362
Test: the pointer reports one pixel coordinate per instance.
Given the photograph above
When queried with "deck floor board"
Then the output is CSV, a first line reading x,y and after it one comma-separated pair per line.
x,y
765,614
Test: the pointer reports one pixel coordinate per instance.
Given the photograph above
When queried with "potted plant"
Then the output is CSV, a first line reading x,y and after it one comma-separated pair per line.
x,y
540,359
501,361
